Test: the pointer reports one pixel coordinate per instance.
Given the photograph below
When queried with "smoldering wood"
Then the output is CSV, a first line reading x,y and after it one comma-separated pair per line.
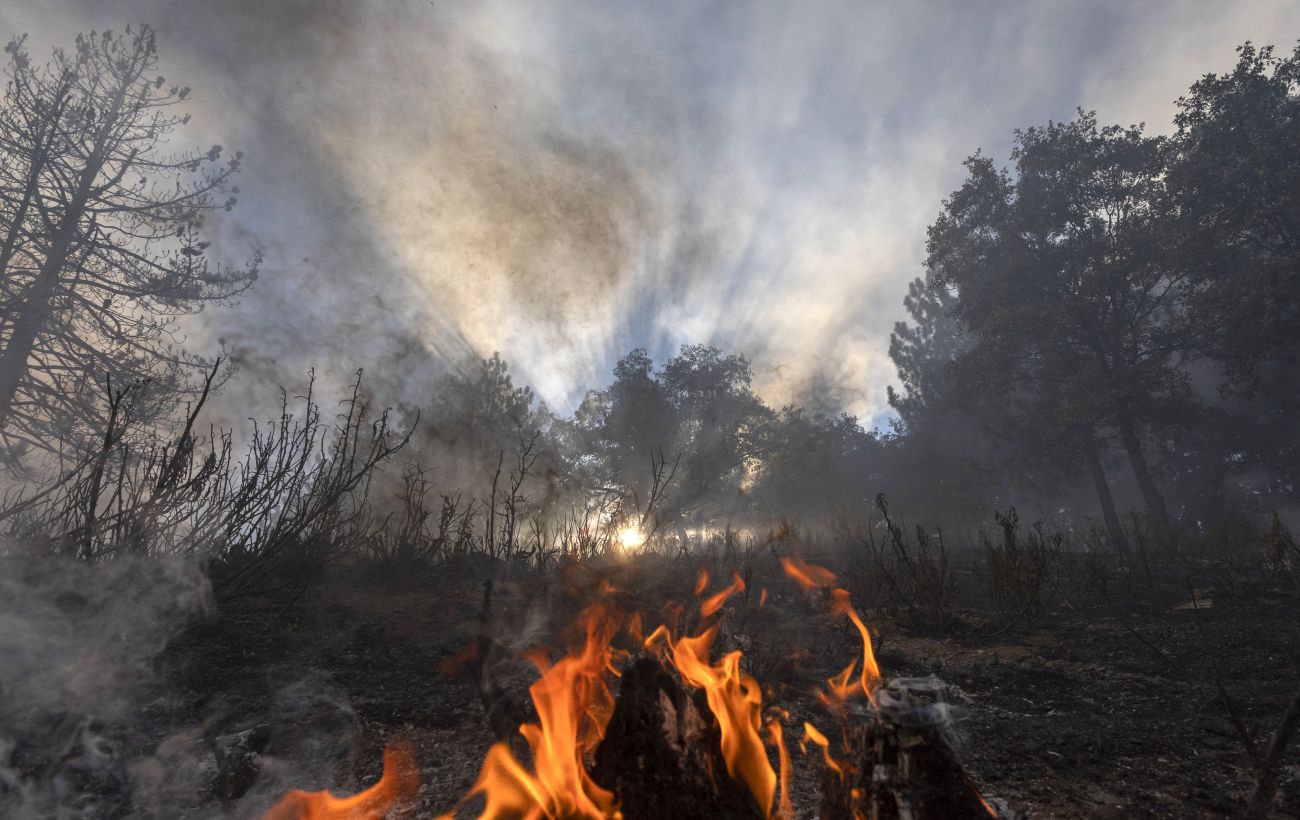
x,y
239,760
899,765
661,754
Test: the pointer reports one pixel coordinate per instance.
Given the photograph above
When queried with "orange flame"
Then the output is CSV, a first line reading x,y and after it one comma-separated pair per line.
x,y
736,702
400,782
810,577
701,582
841,604
714,602
987,806
658,641
452,664
839,689
811,733
806,575
574,704
785,809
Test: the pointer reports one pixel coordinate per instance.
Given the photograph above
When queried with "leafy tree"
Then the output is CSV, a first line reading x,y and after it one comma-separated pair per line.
x,y
101,227
923,350
718,411
1071,297
940,460
1235,186
629,424
478,413
812,465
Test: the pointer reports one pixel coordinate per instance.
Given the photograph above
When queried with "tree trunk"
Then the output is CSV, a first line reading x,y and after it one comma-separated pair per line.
x,y
1114,529
20,215
40,157
1155,502
31,319
34,314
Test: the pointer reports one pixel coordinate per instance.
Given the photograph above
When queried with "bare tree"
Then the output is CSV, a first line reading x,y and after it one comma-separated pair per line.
x,y
101,232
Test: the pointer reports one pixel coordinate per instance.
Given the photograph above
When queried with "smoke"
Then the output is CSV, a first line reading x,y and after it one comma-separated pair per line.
x,y
92,726
77,642
565,181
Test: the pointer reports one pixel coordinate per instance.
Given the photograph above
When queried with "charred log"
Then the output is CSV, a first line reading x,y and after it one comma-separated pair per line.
x,y
899,765
661,753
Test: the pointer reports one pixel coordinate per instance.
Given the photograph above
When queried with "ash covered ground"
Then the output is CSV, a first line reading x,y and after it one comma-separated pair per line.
x,y
1108,706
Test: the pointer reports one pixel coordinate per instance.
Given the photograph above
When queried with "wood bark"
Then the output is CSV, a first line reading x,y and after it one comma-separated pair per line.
x,y
1155,502
899,765
661,755
1114,529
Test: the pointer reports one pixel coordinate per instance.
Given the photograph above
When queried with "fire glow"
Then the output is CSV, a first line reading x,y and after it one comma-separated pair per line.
x,y
574,703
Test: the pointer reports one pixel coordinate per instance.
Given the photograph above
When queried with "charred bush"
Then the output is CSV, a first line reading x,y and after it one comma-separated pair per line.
x,y
1018,567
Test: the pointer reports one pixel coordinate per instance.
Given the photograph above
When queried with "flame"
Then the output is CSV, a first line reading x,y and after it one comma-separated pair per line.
x,y
762,597
840,604
988,807
839,688
658,641
574,704
785,809
736,702
714,602
673,614
452,664
811,733
399,783
808,576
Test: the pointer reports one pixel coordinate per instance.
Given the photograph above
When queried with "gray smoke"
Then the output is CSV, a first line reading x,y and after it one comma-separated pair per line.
x,y
77,643
565,181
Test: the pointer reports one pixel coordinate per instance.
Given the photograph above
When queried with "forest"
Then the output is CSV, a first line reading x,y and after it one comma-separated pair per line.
x,y
1078,519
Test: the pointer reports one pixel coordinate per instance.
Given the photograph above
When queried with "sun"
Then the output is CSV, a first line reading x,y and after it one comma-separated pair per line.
x,y
630,537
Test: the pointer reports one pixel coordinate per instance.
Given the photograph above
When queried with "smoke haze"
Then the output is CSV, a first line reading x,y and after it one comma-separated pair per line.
x,y
565,181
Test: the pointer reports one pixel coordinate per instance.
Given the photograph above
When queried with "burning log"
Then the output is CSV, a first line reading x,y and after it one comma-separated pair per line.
x,y
661,753
899,765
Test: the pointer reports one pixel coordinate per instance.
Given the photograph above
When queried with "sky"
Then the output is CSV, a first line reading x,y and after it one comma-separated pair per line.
x,y
565,181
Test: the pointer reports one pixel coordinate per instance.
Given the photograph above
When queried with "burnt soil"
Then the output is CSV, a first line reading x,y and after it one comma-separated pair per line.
x,y
1106,706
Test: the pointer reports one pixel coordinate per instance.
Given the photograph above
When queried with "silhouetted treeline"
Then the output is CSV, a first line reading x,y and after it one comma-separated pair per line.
x,y
1124,307
1106,330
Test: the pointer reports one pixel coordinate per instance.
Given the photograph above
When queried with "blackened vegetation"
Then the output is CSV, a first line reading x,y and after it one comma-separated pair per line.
x,y
1106,330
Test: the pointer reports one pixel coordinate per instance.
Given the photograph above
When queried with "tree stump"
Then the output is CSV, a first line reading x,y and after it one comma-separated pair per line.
x,y
898,765
661,754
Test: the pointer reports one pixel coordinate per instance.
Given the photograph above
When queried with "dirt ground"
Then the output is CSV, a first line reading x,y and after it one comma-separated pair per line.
x,y
1101,709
